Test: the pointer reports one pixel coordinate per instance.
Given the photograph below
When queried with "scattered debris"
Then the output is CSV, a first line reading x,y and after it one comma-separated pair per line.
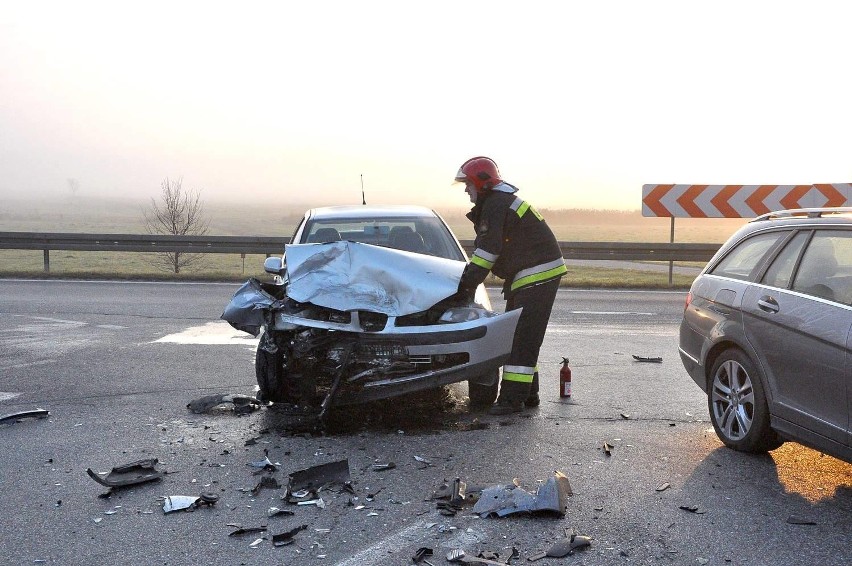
x,y
188,502
242,404
794,520
458,555
266,482
129,474
568,545
264,465
275,511
663,486
246,531
383,467
693,509
421,554
607,448
21,415
654,360
625,416
285,538
316,477
423,460
505,500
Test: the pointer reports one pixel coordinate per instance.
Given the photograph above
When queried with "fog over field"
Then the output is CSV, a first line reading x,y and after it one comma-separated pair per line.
x,y
278,217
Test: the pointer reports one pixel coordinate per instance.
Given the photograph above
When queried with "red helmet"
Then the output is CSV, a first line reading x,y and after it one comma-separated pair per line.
x,y
481,171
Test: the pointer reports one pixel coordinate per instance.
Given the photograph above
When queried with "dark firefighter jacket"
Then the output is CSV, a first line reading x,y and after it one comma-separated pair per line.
x,y
513,241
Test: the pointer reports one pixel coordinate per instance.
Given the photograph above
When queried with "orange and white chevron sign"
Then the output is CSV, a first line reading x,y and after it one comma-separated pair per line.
x,y
739,201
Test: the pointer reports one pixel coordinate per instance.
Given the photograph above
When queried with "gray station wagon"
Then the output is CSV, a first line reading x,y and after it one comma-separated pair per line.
x,y
766,332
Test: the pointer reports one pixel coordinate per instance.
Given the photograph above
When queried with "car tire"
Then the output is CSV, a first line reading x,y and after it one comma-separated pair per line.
x,y
269,369
737,403
483,395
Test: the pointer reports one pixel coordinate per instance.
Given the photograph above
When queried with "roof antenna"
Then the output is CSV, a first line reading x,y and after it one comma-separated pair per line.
x,y
363,199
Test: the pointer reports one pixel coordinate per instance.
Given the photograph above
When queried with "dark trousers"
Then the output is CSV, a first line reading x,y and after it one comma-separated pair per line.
x,y
520,378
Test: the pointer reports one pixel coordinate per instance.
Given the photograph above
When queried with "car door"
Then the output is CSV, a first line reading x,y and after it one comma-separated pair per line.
x,y
800,330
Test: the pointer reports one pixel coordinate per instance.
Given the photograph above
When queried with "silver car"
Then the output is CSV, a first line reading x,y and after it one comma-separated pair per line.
x,y
766,332
362,307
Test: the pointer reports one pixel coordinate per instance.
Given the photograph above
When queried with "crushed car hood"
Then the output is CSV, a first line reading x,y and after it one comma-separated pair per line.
x,y
351,276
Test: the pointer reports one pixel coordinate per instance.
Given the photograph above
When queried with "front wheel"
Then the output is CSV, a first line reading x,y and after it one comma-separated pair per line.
x,y
737,402
483,394
269,370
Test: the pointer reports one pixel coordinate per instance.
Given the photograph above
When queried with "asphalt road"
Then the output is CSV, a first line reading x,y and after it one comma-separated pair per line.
x,y
116,364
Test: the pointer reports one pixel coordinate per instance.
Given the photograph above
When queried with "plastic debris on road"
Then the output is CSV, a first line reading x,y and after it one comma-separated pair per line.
x,y
21,415
503,500
134,473
240,404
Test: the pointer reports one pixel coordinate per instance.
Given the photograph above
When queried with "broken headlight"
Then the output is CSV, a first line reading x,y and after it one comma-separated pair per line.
x,y
463,314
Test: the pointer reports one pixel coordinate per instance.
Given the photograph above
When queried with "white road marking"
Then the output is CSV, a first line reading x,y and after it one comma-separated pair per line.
x,y
385,546
628,313
215,332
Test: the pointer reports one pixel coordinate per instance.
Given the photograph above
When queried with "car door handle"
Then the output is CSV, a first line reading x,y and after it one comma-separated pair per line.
x,y
768,304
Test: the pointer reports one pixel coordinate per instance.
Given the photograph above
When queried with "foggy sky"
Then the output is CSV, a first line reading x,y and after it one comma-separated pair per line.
x,y
579,103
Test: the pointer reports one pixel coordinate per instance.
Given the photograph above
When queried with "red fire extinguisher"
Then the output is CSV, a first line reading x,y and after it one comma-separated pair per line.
x,y
565,379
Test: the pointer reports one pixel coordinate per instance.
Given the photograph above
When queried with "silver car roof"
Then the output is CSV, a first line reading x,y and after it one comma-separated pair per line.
x,y
369,211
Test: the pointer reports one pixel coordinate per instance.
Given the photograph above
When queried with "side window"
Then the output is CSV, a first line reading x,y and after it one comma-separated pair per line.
x,y
826,267
741,261
780,273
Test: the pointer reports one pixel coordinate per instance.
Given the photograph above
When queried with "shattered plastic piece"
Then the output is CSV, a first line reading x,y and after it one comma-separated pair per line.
x,y
503,500
188,502
21,415
243,404
247,531
421,554
275,511
179,502
567,546
286,538
794,520
693,509
607,448
265,464
129,474
318,502
625,416
654,360
663,486
257,542
458,555
266,482
316,477
423,460
383,467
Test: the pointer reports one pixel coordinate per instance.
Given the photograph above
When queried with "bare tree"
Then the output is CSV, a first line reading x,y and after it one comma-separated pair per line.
x,y
74,185
181,213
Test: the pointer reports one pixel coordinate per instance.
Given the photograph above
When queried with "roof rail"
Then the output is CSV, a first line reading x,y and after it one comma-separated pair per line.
x,y
804,212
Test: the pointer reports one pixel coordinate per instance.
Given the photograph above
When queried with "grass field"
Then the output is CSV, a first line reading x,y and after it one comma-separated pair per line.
x,y
120,216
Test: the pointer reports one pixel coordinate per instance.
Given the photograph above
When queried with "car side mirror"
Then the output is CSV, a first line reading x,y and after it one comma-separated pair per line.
x,y
273,265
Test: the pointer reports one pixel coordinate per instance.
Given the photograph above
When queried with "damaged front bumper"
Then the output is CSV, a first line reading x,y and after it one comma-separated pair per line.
x,y
375,356
355,323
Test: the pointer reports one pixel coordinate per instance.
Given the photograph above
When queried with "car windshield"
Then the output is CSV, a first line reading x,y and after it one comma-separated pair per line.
x,y
423,235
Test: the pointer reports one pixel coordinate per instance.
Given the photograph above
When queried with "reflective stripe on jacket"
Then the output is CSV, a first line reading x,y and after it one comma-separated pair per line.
x,y
512,241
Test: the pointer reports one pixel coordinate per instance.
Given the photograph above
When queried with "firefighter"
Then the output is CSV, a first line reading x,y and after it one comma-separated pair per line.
x,y
514,243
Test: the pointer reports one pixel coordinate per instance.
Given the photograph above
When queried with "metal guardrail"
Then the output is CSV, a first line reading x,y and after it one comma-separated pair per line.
x,y
262,245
